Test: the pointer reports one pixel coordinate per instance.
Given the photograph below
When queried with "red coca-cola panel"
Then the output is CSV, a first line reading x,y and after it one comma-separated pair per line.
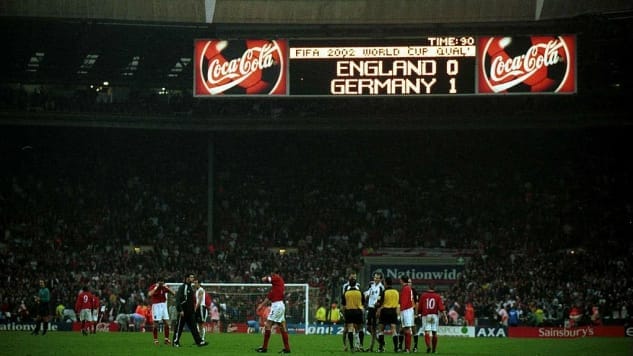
x,y
240,67
526,64
101,327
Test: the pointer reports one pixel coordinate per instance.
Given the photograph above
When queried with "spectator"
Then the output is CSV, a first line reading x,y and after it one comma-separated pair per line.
x,y
596,319
334,314
513,316
575,315
469,314
320,315
346,209
503,315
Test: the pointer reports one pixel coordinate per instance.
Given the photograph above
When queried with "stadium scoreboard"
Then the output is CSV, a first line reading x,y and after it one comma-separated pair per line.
x,y
436,65
433,65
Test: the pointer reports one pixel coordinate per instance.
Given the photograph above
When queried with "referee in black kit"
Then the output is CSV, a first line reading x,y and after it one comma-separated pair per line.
x,y
185,302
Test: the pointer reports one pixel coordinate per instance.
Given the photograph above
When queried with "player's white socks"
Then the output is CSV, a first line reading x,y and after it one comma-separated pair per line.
x,y
356,341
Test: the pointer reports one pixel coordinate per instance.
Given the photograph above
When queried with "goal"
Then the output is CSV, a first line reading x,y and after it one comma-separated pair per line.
x,y
237,303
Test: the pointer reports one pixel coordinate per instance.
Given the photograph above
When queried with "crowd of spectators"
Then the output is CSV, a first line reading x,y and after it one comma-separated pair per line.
x,y
548,211
179,102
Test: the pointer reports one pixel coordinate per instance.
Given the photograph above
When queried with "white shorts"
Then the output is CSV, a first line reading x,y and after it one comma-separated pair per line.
x,y
160,312
430,322
277,312
85,315
407,318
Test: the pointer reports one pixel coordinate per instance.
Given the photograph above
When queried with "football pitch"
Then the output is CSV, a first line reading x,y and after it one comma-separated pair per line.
x,y
73,343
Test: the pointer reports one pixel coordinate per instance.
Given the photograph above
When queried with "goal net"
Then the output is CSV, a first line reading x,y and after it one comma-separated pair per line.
x,y
237,303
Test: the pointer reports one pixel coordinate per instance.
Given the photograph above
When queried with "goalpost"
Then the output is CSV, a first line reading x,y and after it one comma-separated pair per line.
x,y
238,301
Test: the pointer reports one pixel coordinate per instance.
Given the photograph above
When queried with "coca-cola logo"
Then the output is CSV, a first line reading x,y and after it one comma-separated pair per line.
x,y
527,64
103,327
240,67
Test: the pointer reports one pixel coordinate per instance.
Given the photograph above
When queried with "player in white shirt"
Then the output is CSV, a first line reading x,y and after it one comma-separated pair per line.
x,y
372,298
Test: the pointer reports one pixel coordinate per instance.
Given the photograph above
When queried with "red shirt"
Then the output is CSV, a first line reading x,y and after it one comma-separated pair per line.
x,y
470,312
430,303
406,297
160,295
574,312
276,292
95,302
84,301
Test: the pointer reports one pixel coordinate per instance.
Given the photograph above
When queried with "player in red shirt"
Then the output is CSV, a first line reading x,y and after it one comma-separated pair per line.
x,y
277,313
430,307
83,308
158,298
407,311
96,305
469,314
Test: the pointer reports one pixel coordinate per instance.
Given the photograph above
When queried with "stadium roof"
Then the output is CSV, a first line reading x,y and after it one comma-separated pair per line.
x,y
148,43
284,12
85,50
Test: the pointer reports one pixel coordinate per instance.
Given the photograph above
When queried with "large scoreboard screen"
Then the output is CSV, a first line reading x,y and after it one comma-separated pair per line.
x,y
433,65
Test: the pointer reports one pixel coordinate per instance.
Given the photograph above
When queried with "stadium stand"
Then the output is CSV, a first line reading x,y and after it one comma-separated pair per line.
x,y
547,211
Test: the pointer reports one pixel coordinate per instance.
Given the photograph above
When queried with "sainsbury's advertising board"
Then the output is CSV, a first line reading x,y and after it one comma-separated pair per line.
x,y
446,65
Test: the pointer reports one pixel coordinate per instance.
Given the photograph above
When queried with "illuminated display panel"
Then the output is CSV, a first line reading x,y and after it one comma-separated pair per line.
x,y
527,64
255,67
448,65
432,65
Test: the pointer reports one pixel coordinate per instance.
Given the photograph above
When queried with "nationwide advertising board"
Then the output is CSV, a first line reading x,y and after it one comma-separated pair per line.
x,y
420,273
434,65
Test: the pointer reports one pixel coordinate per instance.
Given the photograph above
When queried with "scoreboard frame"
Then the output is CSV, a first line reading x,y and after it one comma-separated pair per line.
x,y
423,66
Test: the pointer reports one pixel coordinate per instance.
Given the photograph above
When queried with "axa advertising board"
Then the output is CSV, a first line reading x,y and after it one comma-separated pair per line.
x,y
434,65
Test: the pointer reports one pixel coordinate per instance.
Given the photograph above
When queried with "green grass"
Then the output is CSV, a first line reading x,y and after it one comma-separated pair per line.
x,y
73,343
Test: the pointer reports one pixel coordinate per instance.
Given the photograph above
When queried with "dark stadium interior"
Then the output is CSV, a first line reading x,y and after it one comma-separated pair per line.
x,y
63,82
534,189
